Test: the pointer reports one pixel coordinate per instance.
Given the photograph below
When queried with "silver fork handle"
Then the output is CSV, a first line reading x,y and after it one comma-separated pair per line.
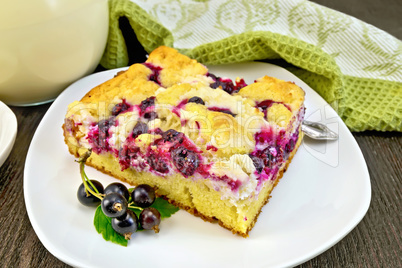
x,y
318,131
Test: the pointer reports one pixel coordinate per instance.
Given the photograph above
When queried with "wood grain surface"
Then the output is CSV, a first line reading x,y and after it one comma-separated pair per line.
x,y
375,242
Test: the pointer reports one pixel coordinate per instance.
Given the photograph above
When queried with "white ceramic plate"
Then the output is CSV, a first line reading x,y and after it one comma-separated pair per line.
x,y
8,131
321,198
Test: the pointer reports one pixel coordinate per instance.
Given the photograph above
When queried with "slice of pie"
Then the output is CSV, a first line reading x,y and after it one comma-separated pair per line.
x,y
214,147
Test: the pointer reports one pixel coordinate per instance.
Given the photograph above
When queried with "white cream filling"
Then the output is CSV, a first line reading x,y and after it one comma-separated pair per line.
x,y
238,167
120,132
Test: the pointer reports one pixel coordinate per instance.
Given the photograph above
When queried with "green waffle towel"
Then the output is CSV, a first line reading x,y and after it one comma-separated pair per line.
x,y
354,66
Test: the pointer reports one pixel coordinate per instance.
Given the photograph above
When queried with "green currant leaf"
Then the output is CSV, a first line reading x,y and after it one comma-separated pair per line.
x,y
103,225
164,207
136,211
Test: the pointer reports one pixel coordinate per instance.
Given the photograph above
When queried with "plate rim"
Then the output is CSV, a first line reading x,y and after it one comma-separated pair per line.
x,y
10,131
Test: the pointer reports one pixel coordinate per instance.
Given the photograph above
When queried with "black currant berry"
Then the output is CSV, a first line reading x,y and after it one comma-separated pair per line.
x,y
185,160
126,224
156,163
196,99
120,108
100,139
143,195
147,103
268,156
150,218
290,146
117,187
150,115
172,135
258,163
139,128
89,199
114,205
225,85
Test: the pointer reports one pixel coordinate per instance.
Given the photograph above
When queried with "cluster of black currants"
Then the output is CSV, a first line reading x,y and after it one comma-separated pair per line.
x,y
116,201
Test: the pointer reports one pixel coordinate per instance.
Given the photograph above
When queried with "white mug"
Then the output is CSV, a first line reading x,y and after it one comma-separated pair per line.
x,y
45,45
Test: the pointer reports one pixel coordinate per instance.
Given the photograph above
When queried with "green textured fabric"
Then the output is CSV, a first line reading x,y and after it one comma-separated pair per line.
x,y
354,66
